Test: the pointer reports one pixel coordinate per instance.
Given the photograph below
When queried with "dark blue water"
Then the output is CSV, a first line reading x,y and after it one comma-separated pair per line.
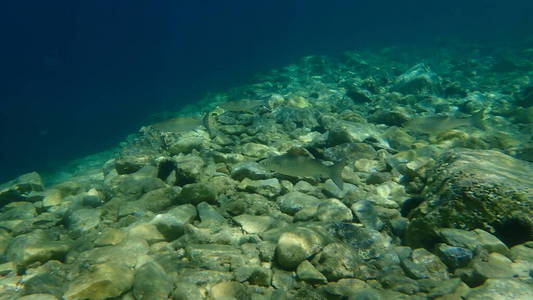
x,y
77,76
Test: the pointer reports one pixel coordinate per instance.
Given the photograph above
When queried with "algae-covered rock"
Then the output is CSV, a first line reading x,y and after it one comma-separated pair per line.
x,y
471,189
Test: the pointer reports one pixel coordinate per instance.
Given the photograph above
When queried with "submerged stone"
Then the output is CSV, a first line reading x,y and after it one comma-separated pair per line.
x,y
474,189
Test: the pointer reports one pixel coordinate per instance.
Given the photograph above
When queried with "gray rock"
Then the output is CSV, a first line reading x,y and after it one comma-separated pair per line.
x,y
103,281
454,257
267,187
292,202
473,240
399,283
80,221
37,246
423,264
151,282
49,278
189,169
497,186
187,291
229,290
18,211
185,142
418,79
26,187
308,273
215,257
367,215
127,164
333,210
295,246
519,252
336,261
172,223
344,288
283,280
209,215
363,242
358,95
251,170
254,224
501,289
485,266
133,186
159,199
195,193
261,276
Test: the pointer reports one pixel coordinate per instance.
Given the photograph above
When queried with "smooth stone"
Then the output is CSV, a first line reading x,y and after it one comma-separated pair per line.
x,y
266,187
187,291
367,215
454,257
147,232
336,261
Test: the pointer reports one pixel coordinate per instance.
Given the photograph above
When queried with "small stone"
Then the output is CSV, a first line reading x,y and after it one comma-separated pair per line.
x,y
307,272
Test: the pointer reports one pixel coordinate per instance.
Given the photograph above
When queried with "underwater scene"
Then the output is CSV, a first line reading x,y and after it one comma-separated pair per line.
x,y
278,150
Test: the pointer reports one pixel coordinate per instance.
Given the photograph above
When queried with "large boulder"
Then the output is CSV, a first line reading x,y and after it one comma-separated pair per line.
x,y
471,189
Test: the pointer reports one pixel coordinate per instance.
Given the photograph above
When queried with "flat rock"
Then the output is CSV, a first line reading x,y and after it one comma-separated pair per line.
x,y
37,246
501,289
103,281
254,224
292,202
